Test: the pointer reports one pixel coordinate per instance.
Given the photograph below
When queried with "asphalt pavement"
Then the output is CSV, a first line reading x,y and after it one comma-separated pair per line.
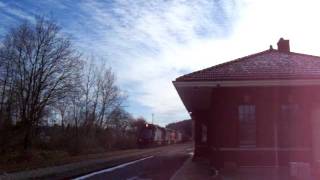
x,y
160,166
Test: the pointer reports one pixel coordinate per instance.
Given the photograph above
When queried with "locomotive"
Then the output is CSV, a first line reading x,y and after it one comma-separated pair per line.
x,y
154,135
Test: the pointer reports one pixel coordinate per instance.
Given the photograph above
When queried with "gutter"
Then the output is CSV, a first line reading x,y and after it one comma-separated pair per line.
x,y
247,83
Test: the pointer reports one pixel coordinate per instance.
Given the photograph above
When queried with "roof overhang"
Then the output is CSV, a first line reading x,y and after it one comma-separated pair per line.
x,y
247,83
196,95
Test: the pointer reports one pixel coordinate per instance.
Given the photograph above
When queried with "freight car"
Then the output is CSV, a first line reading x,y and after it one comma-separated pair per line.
x,y
154,135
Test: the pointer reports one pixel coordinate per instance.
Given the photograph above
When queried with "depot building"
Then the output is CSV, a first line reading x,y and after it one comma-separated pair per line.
x,y
259,110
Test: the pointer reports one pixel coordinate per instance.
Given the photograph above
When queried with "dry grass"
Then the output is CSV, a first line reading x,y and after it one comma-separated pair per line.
x,y
55,158
39,159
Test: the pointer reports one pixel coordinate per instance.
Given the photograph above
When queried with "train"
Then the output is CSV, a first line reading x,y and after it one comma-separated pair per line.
x,y
154,135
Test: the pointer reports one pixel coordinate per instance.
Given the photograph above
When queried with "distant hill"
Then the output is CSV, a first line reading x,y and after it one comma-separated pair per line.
x,y
184,126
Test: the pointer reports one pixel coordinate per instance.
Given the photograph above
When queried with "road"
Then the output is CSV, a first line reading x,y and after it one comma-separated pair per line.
x,y
160,166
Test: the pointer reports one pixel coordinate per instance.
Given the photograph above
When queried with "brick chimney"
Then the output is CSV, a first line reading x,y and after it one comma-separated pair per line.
x,y
283,45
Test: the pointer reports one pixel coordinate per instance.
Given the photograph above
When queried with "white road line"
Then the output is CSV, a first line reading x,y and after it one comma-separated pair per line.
x,y
111,169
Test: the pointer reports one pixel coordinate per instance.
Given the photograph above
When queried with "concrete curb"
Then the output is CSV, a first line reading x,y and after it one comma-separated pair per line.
x,y
192,170
175,175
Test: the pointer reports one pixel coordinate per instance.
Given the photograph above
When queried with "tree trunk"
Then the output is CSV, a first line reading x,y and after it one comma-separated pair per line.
x,y
26,140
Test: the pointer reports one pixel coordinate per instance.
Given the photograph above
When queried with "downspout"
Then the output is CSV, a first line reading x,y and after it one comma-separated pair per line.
x,y
275,126
275,135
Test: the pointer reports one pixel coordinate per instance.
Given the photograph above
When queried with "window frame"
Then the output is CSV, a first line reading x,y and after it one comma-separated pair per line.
x,y
247,119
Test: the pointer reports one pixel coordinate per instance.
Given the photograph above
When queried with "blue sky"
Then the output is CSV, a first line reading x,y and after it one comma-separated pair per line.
x,y
150,43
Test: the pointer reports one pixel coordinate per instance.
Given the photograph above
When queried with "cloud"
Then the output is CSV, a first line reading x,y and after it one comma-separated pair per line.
x,y
150,43
153,42
16,12
157,41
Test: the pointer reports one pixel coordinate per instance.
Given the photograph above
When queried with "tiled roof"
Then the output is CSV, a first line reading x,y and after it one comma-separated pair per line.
x,y
266,65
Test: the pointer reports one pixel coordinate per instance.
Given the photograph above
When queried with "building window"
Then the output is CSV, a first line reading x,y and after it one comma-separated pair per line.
x,y
290,132
204,134
247,126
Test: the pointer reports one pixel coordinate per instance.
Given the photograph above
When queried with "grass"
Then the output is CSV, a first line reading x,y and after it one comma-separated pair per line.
x,y
14,162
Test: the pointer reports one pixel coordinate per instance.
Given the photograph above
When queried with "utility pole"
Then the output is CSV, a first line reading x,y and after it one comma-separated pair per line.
x,y
152,117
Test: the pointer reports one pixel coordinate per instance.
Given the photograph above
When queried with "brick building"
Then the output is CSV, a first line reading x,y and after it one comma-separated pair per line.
x,y
258,110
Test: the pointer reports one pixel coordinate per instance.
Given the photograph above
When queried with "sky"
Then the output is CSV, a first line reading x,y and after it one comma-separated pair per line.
x,y
149,43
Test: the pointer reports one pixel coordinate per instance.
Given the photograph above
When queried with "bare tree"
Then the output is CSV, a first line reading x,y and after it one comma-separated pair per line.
x,y
62,106
43,66
120,119
42,76
88,80
110,94
6,95
101,95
